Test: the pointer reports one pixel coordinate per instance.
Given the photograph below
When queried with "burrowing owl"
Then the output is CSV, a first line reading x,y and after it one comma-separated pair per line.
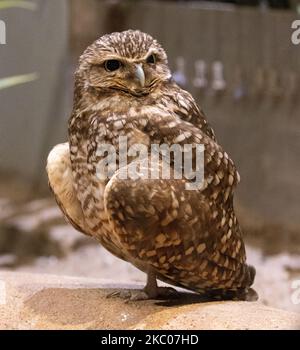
x,y
188,238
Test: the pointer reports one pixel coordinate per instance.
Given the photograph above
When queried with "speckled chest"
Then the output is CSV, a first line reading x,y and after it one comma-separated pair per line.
x,y
104,123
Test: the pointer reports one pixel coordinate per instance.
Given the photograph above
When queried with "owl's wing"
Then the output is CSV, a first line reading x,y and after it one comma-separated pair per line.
x,y
191,237
220,171
188,110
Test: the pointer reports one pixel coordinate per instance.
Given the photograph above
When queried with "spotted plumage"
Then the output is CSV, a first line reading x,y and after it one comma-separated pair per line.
x,y
189,238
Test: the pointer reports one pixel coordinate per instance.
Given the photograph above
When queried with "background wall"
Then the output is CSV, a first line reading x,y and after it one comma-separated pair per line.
x,y
33,114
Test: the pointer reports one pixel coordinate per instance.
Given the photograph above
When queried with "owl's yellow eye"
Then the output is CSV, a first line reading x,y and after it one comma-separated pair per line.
x,y
112,65
151,59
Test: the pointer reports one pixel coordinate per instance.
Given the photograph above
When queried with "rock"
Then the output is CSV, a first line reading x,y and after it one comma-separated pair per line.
x,y
227,315
40,301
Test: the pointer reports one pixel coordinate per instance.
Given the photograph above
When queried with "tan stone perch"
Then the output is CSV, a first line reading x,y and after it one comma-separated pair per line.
x,y
35,301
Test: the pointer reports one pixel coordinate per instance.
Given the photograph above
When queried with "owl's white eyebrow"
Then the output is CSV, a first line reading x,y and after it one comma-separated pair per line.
x,y
126,59
149,53
112,57
115,57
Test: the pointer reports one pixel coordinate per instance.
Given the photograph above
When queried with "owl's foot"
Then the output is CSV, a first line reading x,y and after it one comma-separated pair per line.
x,y
128,294
162,292
154,292
136,295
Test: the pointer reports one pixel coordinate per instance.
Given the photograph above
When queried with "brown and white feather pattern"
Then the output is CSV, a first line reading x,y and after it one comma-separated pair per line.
x,y
189,238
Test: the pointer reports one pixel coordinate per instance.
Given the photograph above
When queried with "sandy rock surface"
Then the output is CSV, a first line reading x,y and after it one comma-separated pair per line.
x,y
41,301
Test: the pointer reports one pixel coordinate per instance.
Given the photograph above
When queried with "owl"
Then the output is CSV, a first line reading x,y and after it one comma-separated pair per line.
x,y
187,238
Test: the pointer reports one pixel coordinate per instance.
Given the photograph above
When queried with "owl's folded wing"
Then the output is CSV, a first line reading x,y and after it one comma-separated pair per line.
x,y
188,110
219,170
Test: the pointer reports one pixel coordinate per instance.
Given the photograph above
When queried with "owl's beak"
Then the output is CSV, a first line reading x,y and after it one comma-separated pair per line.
x,y
140,74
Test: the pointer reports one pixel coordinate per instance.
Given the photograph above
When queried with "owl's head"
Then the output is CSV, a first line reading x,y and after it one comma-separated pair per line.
x,y
129,61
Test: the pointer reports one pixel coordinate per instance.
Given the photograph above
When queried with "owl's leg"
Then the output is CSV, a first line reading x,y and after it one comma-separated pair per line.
x,y
150,291
153,291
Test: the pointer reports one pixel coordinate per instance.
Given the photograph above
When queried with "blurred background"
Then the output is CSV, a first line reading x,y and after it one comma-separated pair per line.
x,y
236,58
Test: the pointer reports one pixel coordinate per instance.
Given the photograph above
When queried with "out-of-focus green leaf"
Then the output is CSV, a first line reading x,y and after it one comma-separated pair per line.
x,y
5,4
17,80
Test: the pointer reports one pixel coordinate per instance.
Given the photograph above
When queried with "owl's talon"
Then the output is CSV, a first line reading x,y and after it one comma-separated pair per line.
x,y
129,295
139,295
136,295
123,294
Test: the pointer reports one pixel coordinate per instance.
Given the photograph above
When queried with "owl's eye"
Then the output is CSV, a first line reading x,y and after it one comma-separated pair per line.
x,y
151,59
112,65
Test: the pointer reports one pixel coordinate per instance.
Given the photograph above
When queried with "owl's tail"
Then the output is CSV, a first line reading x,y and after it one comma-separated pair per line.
x,y
250,275
244,292
247,293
